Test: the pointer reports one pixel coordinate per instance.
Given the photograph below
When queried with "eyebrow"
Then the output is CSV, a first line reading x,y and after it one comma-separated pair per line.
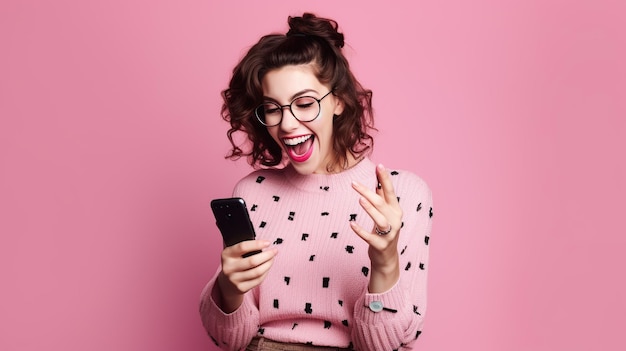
x,y
300,93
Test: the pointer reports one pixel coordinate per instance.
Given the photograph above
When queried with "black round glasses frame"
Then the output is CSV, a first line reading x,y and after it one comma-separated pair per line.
x,y
282,107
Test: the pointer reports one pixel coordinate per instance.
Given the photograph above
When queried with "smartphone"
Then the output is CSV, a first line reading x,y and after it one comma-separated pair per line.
x,y
233,221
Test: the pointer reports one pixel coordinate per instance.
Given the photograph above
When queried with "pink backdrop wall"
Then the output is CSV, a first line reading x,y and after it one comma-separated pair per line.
x,y
111,148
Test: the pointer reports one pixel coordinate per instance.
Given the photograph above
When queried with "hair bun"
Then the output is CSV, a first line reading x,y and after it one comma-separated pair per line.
x,y
309,24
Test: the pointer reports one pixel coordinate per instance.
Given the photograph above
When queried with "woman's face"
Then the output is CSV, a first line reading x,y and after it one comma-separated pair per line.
x,y
309,145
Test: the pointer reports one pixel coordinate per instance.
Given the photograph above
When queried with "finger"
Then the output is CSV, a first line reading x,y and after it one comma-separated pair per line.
x,y
247,285
374,241
246,279
256,271
384,178
247,246
371,196
375,213
233,262
373,204
364,234
240,263
261,258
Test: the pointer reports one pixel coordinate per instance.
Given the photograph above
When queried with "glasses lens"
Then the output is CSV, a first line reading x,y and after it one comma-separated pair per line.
x,y
305,108
269,113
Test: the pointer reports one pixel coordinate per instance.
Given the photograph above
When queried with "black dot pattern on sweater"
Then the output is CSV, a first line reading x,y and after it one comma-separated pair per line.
x,y
275,201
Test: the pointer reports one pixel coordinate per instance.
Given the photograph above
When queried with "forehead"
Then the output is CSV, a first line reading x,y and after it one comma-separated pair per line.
x,y
282,83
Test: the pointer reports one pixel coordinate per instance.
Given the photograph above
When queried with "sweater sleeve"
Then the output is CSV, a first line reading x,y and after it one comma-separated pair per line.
x,y
229,331
400,321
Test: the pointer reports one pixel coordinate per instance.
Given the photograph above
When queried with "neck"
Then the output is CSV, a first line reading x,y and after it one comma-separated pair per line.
x,y
335,166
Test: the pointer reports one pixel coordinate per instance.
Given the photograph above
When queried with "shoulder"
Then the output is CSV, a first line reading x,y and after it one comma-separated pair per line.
x,y
408,182
260,179
414,195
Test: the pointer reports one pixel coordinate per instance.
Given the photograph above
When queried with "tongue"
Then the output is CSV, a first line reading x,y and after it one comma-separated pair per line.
x,y
302,148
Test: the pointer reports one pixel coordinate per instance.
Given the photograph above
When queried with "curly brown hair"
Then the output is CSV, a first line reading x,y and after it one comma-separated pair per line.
x,y
310,39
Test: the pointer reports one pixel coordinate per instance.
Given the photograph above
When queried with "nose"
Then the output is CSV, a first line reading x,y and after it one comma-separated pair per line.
x,y
289,121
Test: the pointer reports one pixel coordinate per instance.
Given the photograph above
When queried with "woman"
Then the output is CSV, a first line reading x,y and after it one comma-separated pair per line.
x,y
344,241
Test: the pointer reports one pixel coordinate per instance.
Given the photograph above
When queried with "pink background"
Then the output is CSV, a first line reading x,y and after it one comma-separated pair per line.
x,y
111,147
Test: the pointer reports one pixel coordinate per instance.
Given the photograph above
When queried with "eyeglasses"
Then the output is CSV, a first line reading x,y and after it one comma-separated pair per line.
x,y
303,108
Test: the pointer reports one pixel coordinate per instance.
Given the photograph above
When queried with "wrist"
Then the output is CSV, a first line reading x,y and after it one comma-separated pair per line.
x,y
384,277
384,263
227,299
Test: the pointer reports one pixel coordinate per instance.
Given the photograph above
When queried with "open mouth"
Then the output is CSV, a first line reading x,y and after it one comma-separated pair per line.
x,y
299,148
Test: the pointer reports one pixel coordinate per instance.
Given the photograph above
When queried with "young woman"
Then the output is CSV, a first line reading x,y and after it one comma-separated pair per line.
x,y
344,241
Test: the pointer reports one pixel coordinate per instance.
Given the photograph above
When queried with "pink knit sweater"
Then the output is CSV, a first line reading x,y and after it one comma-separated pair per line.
x,y
316,291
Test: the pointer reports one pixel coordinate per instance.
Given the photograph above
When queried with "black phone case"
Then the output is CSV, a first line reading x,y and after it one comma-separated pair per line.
x,y
233,221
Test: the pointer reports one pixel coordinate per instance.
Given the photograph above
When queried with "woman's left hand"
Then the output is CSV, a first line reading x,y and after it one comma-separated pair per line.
x,y
383,207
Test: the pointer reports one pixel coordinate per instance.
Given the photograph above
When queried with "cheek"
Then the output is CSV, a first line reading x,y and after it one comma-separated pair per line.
x,y
324,127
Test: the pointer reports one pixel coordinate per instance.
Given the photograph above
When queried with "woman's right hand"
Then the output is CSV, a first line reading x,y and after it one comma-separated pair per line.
x,y
240,274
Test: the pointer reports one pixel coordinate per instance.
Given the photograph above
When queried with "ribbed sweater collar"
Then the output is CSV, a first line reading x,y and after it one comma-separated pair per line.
x,y
363,172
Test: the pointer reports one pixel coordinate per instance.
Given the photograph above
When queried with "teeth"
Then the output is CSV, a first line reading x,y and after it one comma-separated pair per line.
x,y
296,141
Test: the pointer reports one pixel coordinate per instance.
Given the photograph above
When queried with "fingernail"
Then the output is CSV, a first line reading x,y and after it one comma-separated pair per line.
x,y
381,167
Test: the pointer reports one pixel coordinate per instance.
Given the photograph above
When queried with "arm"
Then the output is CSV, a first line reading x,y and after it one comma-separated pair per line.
x,y
229,331
229,312
398,263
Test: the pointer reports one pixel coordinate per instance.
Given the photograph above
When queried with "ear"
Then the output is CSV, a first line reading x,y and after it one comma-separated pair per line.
x,y
339,105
